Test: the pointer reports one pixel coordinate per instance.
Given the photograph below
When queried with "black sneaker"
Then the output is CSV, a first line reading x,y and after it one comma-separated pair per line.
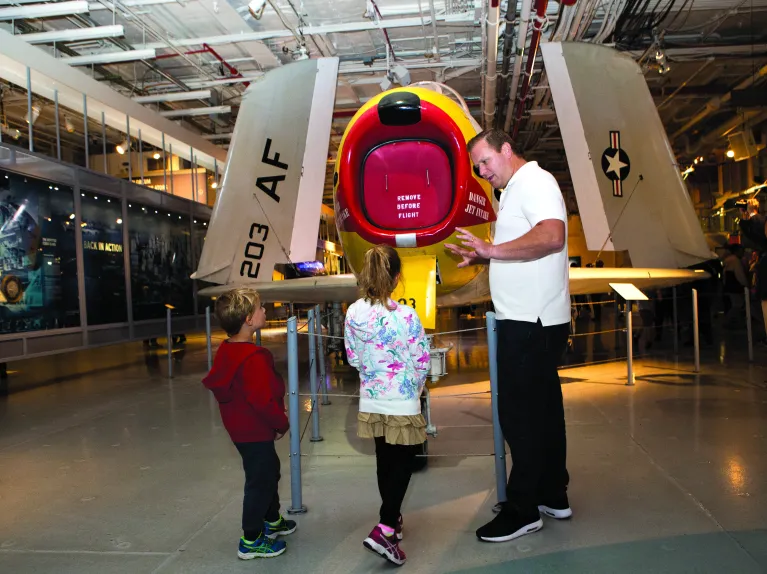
x,y
556,507
508,525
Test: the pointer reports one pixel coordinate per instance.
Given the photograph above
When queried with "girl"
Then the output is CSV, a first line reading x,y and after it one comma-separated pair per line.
x,y
386,343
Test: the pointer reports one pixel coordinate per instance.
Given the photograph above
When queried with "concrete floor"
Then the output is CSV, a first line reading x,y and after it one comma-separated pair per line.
x,y
124,470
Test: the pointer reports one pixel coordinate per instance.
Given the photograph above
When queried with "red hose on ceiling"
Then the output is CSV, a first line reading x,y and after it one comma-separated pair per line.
x,y
535,42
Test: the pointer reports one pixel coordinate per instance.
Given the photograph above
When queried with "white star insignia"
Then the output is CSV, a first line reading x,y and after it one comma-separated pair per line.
x,y
615,163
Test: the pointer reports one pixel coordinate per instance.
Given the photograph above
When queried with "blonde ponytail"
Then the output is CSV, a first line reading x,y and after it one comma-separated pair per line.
x,y
378,277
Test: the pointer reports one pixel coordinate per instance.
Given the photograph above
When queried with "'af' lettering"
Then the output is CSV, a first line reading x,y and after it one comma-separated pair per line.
x,y
275,161
268,184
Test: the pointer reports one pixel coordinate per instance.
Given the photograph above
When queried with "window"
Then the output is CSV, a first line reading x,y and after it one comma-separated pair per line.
x,y
38,262
161,261
103,259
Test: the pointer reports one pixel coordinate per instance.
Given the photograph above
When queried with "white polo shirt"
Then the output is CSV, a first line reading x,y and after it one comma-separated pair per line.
x,y
529,290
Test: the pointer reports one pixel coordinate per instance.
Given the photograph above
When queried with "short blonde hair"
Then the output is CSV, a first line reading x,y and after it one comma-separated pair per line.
x,y
235,306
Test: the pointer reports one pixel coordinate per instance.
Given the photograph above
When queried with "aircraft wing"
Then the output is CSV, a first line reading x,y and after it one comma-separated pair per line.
x,y
587,280
322,289
343,288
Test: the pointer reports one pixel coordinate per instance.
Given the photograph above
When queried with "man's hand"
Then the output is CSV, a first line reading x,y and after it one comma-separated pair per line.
x,y
481,248
278,435
469,257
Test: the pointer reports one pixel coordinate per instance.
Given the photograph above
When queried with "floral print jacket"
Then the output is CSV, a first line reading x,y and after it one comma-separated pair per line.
x,y
391,352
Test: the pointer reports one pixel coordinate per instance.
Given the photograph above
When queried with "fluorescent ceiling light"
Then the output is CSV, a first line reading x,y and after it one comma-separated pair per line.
x,y
210,83
74,35
173,97
226,136
197,111
43,10
95,6
110,57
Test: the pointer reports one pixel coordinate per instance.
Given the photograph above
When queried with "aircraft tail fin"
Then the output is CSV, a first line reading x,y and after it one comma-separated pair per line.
x,y
268,207
630,192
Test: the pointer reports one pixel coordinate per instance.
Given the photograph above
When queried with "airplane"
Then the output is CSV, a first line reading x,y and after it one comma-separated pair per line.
x,y
403,177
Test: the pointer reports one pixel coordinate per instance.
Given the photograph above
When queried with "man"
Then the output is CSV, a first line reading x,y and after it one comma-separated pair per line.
x,y
529,286
753,226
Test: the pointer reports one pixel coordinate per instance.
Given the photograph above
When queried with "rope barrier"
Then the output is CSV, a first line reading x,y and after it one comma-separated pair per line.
x,y
459,331
598,332
590,303
418,455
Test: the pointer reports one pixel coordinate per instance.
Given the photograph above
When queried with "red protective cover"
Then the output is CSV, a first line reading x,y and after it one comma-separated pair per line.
x,y
407,185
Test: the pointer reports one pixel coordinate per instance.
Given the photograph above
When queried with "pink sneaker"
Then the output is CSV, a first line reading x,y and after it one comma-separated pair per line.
x,y
386,546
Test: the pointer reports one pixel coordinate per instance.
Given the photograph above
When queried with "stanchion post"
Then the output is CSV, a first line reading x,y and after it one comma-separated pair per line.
x,y
258,337
747,294
313,378
499,445
695,330
296,506
208,337
629,345
676,325
169,329
321,354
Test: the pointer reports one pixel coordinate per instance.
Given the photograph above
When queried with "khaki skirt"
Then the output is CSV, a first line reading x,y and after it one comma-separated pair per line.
x,y
396,429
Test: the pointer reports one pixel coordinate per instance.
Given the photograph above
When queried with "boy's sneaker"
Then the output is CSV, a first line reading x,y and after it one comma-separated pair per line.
x,y
282,527
386,546
262,547
507,525
398,528
556,507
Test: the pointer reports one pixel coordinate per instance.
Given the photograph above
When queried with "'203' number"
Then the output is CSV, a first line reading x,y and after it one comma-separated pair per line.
x,y
254,251
404,302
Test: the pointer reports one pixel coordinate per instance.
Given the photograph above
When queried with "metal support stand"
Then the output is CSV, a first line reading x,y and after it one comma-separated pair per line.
x,y
313,378
258,337
498,442
321,355
296,506
676,327
170,343
747,294
431,428
629,345
208,337
695,330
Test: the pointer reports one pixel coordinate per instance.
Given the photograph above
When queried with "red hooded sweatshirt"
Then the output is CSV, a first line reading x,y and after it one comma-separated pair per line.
x,y
249,391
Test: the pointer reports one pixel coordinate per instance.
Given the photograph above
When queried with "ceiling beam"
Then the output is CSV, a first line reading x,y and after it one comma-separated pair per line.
x,y
464,18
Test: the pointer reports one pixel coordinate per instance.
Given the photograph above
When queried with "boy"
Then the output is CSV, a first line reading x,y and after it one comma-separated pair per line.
x,y
250,395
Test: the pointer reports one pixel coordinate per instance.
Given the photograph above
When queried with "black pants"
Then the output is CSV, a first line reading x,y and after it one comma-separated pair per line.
x,y
394,466
531,411
262,476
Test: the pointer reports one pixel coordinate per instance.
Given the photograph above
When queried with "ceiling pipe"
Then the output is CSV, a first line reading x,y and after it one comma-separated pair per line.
x,y
492,24
671,96
524,21
540,21
508,44
434,29
715,103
